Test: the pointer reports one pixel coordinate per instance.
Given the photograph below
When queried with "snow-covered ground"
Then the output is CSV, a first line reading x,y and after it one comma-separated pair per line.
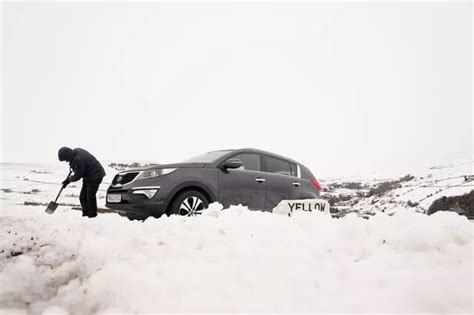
x,y
40,183
231,260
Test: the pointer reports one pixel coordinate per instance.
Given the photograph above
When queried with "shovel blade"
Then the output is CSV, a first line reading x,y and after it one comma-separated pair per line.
x,y
51,207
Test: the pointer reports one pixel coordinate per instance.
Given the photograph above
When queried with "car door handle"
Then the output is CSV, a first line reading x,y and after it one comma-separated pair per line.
x,y
260,180
296,184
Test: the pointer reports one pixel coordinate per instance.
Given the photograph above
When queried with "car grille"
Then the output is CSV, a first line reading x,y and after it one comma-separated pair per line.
x,y
124,178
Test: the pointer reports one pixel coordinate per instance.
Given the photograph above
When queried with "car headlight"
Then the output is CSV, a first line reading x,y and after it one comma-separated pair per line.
x,y
155,172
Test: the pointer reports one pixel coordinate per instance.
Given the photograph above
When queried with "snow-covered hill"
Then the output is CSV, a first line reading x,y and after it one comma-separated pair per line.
x,y
231,260
416,191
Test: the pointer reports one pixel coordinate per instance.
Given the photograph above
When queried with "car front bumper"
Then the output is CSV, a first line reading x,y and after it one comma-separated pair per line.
x,y
136,199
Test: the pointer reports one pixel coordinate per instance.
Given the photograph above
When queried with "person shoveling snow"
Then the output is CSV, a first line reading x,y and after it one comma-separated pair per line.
x,y
84,165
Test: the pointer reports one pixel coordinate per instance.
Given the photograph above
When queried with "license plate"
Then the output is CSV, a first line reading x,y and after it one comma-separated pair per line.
x,y
287,207
114,198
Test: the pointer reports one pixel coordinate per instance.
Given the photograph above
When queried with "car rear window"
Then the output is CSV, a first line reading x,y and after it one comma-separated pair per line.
x,y
250,162
306,173
278,166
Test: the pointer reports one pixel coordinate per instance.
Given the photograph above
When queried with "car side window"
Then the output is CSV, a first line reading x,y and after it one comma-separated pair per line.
x,y
293,170
250,162
277,166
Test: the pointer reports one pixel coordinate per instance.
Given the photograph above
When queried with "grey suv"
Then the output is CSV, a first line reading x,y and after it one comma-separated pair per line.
x,y
253,178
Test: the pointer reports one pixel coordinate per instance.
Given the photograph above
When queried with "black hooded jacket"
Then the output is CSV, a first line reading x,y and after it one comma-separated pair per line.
x,y
83,164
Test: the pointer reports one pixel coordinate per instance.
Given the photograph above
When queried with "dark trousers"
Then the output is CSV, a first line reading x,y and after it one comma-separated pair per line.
x,y
88,198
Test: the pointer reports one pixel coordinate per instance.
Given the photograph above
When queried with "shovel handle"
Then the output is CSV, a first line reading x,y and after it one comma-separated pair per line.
x,y
62,187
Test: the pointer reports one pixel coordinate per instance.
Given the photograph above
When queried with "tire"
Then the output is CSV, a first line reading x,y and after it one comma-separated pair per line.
x,y
189,203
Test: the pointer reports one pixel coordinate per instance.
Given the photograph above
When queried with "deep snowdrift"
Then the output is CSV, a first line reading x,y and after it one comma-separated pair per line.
x,y
235,260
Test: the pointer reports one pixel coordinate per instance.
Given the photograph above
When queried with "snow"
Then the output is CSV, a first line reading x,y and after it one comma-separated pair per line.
x,y
21,179
226,260
427,186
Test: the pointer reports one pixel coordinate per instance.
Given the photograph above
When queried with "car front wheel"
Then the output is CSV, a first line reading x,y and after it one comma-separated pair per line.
x,y
189,203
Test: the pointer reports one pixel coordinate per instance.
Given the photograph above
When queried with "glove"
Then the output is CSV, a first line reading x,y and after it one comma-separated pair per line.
x,y
66,182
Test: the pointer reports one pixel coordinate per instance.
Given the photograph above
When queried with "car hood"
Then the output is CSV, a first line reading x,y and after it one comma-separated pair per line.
x,y
174,165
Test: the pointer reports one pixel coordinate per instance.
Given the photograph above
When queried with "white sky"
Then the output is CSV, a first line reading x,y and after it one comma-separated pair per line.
x,y
342,88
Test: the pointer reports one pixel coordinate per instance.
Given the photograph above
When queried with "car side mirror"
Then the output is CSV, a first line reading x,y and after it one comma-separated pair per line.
x,y
231,163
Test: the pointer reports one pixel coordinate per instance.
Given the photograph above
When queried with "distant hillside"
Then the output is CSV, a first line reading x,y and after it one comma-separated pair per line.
x,y
417,192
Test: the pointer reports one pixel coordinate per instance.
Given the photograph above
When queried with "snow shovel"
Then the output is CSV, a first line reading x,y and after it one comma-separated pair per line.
x,y
53,205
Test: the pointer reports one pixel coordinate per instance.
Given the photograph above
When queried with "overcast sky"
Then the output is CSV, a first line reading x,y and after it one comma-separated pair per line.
x,y
343,88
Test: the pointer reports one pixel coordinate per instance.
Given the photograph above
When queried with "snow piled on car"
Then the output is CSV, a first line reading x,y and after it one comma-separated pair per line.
x,y
234,260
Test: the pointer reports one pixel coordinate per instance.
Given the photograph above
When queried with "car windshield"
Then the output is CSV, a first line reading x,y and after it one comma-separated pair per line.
x,y
208,157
